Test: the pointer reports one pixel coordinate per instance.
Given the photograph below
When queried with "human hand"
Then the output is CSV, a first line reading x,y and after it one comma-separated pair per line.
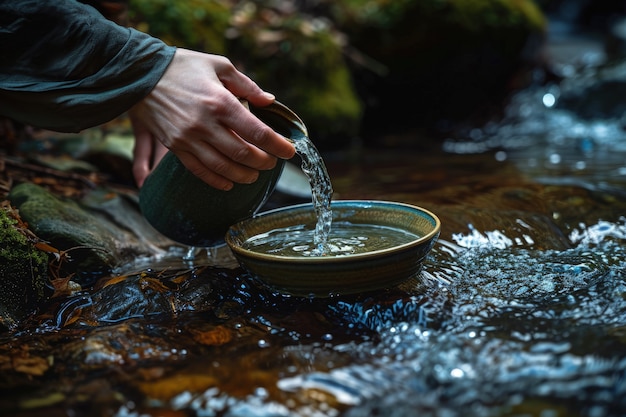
x,y
194,110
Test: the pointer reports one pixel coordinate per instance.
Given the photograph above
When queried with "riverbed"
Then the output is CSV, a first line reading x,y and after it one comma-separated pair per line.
x,y
519,310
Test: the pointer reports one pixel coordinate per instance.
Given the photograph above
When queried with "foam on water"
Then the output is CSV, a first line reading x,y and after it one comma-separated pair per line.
x,y
511,325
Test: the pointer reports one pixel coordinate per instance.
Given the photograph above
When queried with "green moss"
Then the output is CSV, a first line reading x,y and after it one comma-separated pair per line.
x,y
332,110
23,272
9,234
66,225
15,246
194,24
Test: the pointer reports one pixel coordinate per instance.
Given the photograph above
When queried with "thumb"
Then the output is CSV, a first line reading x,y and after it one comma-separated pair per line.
x,y
142,153
243,87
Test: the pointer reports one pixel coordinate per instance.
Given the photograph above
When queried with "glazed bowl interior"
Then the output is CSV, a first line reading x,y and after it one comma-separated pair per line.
x,y
324,276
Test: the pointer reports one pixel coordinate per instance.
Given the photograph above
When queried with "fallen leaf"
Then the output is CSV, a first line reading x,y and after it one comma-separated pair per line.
x,y
217,336
31,365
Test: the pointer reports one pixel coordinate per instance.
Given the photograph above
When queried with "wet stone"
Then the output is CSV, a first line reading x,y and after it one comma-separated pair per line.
x,y
163,294
94,243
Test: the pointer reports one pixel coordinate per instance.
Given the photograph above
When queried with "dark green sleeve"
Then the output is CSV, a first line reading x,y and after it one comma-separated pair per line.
x,y
64,67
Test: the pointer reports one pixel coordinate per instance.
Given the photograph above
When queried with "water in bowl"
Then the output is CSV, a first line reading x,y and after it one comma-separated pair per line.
x,y
347,239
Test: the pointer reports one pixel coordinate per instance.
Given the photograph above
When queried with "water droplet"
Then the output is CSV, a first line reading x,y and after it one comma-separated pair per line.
x,y
261,392
555,158
548,100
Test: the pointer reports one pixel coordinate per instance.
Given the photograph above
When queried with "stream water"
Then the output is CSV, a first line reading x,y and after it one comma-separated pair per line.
x,y
520,309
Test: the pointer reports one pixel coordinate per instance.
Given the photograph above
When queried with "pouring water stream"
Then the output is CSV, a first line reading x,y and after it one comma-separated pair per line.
x,y
321,189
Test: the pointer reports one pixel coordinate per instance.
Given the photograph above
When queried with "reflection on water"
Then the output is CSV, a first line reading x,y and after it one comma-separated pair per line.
x,y
346,239
578,124
503,322
495,332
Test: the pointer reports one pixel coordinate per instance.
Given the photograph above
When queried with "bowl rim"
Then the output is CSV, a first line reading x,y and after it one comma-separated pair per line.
x,y
431,235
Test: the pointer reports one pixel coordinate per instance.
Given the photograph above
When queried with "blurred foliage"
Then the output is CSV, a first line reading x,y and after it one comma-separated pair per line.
x,y
315,55
193,24
413,34
298,59
453,58
472,15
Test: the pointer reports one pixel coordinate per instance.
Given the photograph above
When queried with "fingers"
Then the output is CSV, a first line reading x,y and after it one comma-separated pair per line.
x,y
213,176
235,144
254,131
250,129
241,85
142,153
245,124
228,156
194,110
147,152
158,153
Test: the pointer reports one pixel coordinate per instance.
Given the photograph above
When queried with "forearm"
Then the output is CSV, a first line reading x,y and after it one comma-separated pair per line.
x,y
64,67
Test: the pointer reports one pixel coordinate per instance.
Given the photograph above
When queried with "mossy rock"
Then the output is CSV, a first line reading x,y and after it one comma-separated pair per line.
x,y
440,57
23,273
91,241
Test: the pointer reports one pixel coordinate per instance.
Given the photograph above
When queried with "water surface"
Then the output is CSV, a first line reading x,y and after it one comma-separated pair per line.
x,y
520,309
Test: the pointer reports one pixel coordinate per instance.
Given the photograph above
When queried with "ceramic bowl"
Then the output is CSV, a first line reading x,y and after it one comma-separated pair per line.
x,y
324,276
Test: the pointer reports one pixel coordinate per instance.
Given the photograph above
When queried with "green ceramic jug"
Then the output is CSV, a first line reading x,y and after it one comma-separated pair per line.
x,y
187,210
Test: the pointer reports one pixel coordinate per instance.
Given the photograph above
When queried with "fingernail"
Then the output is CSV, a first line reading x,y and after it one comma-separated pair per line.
x,y
253,178
269,96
